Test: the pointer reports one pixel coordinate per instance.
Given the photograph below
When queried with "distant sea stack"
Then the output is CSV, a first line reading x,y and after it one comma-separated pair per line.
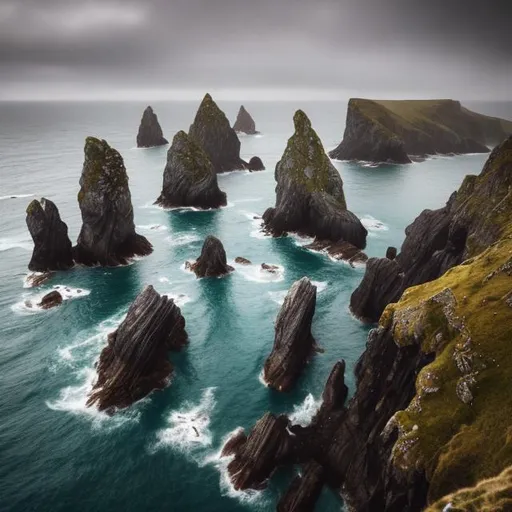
x,y
294,344
135,362
108,236
150,133
393,131
212,131
245,123
212,262
472,220
189,177
52,246
310,198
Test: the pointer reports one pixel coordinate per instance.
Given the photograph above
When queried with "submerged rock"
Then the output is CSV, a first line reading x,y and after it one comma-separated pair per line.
x,y
310,198
50,300
135,361
108,236
213,261
294,343
150,133
52,247
189,177
245,123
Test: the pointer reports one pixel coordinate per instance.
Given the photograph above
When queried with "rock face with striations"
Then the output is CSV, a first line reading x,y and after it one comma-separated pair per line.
x,y
52,247
437,240
294,343
245,123
150,133
392,131
108,234
135,362
189,177
310,198
213,261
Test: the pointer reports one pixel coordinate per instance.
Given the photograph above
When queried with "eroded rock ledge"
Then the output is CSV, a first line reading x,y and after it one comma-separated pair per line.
x,y
150,133
189,177
294,344
213,261
135,361
108,236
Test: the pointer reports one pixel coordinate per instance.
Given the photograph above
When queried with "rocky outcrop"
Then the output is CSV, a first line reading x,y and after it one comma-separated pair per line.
x,y
310,198
150,133
108,236
245,123
135,361
52,247
392,131
339,250
212,262
51,300
473,219
212,131
293,343
255,164
391,253
304,490
189,177
242,261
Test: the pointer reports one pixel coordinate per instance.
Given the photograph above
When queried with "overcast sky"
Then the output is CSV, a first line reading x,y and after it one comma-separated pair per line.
x,y
255,48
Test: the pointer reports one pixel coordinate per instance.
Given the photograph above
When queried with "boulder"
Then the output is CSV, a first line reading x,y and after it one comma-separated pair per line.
x,y
310,198
255,164
269,268
150,133
135,361
50,300
242,261
189,177
52,247
108,236
293,344
212,262
245,123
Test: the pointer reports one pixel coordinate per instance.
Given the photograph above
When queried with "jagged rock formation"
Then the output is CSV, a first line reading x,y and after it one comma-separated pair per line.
x,y
50,300
310,198
212,262
189,177
212,131
339,250
392,131
437,240
52,247
135,361
108,234
150,133
293,343
255,164
304,491
245,123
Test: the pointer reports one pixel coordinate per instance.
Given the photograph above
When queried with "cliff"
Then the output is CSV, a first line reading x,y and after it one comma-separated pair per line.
x,y
150,133
244,122
393,131
474,218
310,198
108,234
52,247
189,177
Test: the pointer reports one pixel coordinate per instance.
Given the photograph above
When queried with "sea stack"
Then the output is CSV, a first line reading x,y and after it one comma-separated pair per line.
x,y
310,198
189,177
135,362
108,236
294,343
245,123
52,246
150,133
212,262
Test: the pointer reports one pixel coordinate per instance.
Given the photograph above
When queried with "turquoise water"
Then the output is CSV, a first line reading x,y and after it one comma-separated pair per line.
x,y
56,454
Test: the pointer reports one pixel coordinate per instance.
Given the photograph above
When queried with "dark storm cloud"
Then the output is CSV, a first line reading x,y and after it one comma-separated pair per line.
x,y
359,46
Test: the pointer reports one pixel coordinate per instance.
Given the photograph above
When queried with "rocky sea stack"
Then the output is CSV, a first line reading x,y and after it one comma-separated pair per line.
x,y
310,198
108,236
52,246
135,362
474,218
189,177
294,344
150,133
245,123
393,131
212,262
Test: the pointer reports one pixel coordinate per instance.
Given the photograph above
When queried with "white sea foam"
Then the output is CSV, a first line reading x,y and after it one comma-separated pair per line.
x,y
16,196
180,299
258,275
182,239
300,240
279,296
303,414
321,286
373,224
262,380
30,301
164,280
152,227
16,242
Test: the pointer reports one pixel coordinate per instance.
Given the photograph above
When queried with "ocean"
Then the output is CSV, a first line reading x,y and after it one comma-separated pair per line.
x,y
56,454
